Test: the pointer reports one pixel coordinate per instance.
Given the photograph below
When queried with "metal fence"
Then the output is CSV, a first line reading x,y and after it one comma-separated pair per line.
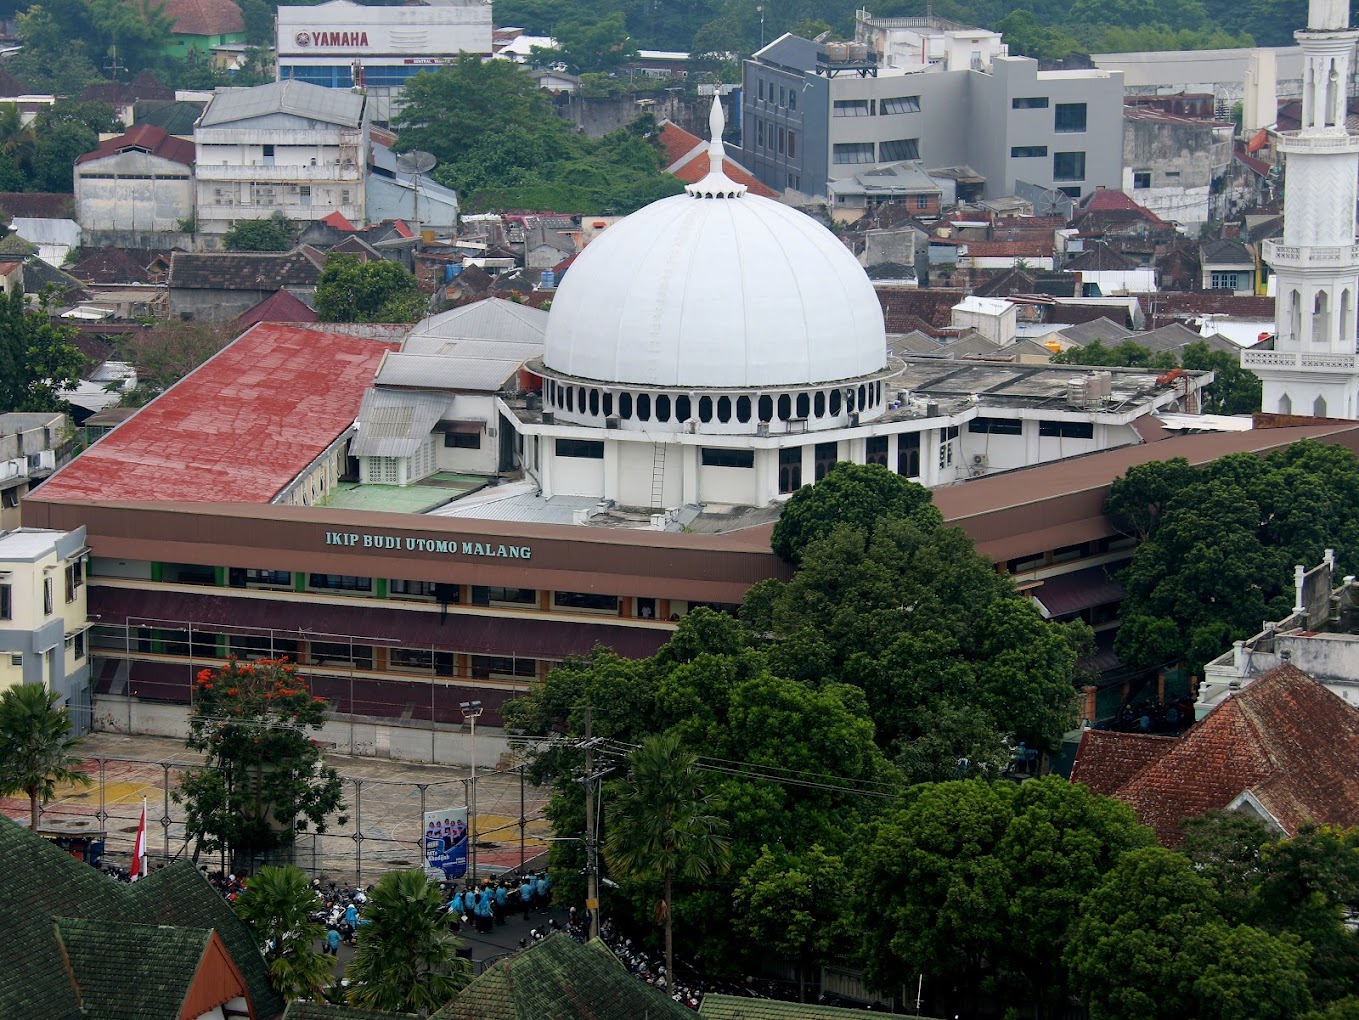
x,y
383,830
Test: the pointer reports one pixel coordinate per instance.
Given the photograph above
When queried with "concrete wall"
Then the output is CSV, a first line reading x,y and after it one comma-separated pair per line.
x,y
133,191
443,745
1183,158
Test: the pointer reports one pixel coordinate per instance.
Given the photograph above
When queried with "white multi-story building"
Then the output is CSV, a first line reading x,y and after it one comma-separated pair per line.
x,y
42,615
286,147
1313,368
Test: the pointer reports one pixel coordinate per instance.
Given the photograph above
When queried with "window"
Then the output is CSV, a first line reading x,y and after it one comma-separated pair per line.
x,y
705,409
766,407
792,144
585,600
783,96
239,577
47,596
1224,281
900,104
875,450
16,659
922,201
728,458
1029,103
824,458
785,406
724,409
339,582
70,583
418,589
644,406
487,596
792,99
1141,178
850,108
462,440
587,449
326,653
6,602
1068,166
852,152
948,440
759,132
1066,429
80,645
996,426
783,138
790,469
743,409
1071,192
1068,118
1172,175
762,89
419,660
484,666
901,148
1028,151
908,455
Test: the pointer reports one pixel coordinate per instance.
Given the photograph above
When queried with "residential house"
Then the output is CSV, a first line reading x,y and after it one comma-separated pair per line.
x,y
1105,270
1227,264
1179,268
1176,166
1282,749
124,96
136,188
544,247
1107,211
814,112
280,306
908,184
32,446
686,158
287,147
218,287
1005,255
199,26
993,318
76,944
42,616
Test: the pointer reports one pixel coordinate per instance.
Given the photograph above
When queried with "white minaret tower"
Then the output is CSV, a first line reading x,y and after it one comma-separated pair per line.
x,y
1313,369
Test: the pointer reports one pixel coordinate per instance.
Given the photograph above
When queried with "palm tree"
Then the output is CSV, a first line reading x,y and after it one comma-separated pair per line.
x,y
36,746
660,826
277,906
407,959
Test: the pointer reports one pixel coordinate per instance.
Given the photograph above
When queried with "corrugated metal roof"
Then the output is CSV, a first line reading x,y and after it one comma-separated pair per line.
x,y
395,423
432,371
492,319
519,506
334,106
493,350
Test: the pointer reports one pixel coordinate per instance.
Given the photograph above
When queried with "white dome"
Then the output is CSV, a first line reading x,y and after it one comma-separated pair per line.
x,y
735,291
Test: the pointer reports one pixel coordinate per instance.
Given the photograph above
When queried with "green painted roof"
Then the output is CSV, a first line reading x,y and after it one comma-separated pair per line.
x,y
560,979
131,971
325,1011
737,1007
40,883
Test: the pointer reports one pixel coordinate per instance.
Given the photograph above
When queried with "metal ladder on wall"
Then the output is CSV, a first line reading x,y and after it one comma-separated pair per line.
x,y
658,475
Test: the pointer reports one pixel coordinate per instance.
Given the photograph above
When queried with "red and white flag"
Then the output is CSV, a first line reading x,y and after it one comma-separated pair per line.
x,y
138,868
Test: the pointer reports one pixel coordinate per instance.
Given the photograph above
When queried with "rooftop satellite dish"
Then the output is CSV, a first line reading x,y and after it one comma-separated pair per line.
x,y
415,163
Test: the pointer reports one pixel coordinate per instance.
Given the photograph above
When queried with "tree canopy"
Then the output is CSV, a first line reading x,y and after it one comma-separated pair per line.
x,y
37,747
1234,389
277,907
38,359
350,290
275,233
1220,542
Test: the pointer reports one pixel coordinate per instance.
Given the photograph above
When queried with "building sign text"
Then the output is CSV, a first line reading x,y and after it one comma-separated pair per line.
x,y
438,546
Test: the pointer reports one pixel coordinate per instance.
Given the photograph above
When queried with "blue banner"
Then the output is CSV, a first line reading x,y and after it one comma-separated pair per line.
x,y
446,842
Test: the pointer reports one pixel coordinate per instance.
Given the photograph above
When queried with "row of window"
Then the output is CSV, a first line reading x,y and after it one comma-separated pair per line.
x,y
875,107
341,76
1047,429
894,151
774,137
786,96
75,577
1067,118
1070,553
680,408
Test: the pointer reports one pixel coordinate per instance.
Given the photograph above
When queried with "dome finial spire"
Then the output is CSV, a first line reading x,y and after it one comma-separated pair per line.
x,y
717,184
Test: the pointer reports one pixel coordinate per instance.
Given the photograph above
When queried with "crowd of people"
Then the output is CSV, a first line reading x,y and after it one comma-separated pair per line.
x,y
489,904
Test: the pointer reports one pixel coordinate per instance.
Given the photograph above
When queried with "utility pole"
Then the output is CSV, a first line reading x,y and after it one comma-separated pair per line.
x,y
591,863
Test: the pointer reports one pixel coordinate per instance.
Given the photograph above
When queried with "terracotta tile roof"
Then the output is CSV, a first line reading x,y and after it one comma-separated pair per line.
x,y
117,265
245,270
1106,760
686,157
1248,306
280,306
115,93
1285,740
237,429
338,220
42,205
1100,257
903,308
204,17
1038,248
10,86
144,138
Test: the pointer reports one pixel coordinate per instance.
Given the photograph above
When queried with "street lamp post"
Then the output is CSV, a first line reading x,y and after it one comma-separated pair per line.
x,y
471,711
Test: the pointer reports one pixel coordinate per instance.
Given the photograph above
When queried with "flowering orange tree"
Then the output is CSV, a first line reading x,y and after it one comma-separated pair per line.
x,y
265,778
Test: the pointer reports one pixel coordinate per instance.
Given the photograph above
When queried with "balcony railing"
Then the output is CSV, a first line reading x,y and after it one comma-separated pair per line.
x,y
1277,254
1300,361
347,172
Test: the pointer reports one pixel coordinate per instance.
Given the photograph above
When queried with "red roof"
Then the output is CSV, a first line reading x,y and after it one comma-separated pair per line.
x,y
402,228
1258,141
686,157
236,430
1041,249
204,17
145,138
1285,740
280,306
338,220
1106,759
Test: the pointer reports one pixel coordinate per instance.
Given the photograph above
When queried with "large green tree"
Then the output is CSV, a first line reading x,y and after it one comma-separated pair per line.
x,y
407,960
350,290
661,826
37,749
276,233
277,907
38,359
264,778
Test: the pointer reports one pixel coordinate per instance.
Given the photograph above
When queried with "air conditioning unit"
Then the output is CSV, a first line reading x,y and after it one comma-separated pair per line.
x,y
549,418
762,428
491,433
853,419
613,423
979,459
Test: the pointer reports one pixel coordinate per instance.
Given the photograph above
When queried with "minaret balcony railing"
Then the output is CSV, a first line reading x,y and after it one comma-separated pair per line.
x,y
1319,143
1299,361
1292,256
